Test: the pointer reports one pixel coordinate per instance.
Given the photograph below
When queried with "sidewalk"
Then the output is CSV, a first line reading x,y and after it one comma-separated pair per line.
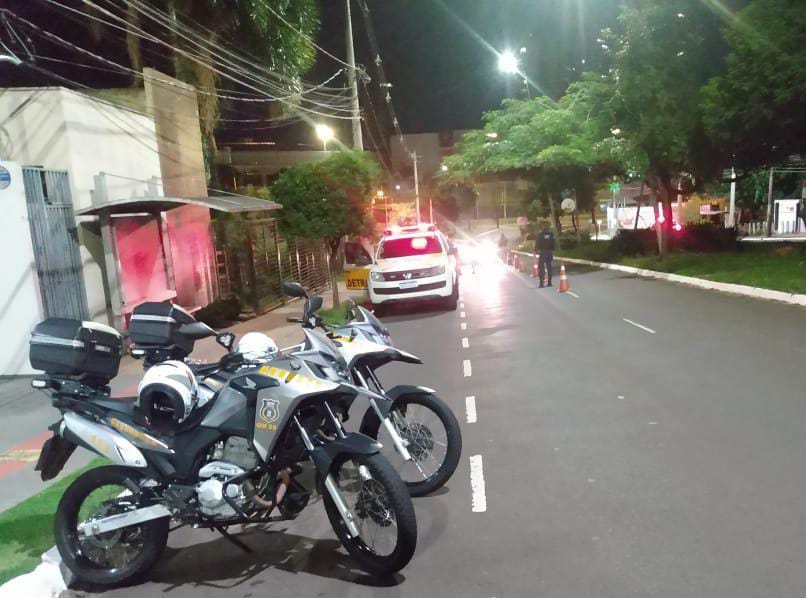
x,y
26,413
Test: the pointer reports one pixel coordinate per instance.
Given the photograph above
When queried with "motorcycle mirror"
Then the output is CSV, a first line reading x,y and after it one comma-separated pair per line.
x,y
315,303
294,289
226,340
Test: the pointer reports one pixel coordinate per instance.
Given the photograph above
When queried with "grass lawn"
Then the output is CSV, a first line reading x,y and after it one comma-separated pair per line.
x,y
781,268
26,529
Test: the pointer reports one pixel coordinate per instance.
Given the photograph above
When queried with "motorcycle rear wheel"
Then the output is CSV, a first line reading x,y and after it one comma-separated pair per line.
x,y
382,509
114,557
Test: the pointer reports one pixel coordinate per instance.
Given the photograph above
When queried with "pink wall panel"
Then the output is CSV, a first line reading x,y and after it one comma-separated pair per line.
x,y
142,265
193,255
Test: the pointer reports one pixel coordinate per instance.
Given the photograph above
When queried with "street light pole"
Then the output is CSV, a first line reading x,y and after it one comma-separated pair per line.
x,y
416,159
769,204
352,80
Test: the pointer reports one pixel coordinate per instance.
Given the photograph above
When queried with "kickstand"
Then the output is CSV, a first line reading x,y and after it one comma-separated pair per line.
x,y
233,539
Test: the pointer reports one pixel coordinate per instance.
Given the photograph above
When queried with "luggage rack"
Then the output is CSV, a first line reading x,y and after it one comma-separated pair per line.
x,y
79,388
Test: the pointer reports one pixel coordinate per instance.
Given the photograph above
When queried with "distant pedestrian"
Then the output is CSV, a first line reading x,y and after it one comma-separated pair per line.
x,y
544,247
503,247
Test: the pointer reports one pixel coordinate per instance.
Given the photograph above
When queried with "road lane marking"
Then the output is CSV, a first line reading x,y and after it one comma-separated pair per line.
x,y
462,305
653,423
470,406
479,494
489,232
464,325
641,326
573,294
465,343
462,315
468,368
620,397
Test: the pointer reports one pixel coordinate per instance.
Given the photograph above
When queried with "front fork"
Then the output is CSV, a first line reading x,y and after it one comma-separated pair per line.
x,y
400,444
347,515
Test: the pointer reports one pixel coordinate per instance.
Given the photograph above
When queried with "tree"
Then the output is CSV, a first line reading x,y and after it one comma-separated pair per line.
x,y
556,146
755,108
661,61
327,201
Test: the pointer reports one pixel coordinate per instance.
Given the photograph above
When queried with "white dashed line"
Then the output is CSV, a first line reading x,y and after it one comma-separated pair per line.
x,y
468,368
464,325
641,326
465,343
573,294
461,305
653,423
620,397
479,493
470,406
462,315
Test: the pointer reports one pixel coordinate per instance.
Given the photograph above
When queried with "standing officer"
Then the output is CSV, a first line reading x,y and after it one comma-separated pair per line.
x,y
545,247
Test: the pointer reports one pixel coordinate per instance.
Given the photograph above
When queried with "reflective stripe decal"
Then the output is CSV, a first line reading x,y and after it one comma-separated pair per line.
x,y
45,339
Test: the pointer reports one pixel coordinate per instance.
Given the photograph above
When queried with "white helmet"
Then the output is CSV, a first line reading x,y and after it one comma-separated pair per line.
x,y
256,345
167,394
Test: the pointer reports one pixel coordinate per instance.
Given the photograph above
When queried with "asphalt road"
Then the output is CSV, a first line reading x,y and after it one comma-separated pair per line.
x,y
635,439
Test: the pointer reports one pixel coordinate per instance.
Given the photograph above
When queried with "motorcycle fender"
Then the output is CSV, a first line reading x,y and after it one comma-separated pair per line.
x,y
352,444
396,392
370,420
54,454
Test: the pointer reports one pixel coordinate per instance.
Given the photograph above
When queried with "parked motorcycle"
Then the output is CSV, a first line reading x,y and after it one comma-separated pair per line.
x,y
232,460
431,437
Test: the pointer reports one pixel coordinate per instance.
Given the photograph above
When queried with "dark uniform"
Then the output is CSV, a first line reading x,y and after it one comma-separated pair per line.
x,y
544,246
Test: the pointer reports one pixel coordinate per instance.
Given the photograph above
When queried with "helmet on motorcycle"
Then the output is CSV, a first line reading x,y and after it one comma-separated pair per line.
x,y
256,345
167,394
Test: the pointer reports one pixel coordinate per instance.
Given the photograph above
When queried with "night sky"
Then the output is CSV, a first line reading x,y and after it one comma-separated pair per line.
x,y
440,56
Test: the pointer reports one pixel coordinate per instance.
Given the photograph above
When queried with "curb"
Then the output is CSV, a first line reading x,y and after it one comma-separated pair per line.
x,y
702,283
50,578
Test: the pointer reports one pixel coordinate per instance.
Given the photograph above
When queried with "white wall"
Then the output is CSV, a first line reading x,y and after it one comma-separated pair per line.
x,y
60,129
20,301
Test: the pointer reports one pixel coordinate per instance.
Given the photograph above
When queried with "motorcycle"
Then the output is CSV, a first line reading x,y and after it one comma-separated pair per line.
x,y
431,436
234,459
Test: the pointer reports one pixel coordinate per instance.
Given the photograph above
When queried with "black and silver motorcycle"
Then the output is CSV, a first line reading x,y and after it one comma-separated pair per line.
x,y
233,460
421,431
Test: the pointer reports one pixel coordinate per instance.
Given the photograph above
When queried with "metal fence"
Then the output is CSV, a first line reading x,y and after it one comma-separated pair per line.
x,y
55,241
255,258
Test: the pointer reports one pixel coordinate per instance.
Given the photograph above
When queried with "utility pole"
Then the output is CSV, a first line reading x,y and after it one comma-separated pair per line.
x,y
416,159
352,80
769,204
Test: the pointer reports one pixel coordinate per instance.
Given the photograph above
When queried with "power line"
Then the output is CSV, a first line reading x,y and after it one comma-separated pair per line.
x,y
141,33
308,38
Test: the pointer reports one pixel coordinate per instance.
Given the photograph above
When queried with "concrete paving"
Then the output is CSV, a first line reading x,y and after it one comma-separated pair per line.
x,y
635,439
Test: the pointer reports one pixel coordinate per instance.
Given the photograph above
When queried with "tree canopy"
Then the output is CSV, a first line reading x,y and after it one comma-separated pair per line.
x,y
329,199
755,108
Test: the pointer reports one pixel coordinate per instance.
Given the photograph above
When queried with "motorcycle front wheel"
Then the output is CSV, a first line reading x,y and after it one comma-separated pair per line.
x,y
382,511
434,441
113,557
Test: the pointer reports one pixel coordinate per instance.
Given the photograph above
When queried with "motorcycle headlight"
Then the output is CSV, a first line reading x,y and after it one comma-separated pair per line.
x,y
376,276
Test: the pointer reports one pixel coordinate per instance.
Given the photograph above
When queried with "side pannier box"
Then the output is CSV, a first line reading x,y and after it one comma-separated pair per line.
x,y
75,348
157,324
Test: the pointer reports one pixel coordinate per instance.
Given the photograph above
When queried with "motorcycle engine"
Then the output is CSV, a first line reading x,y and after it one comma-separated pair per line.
x,y
210,491
233,457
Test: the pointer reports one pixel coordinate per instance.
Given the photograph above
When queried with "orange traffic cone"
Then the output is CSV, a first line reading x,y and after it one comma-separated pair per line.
x,y
564,286
535,269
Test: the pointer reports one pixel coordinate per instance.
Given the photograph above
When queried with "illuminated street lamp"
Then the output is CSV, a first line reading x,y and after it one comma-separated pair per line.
x,y
508,62
325,134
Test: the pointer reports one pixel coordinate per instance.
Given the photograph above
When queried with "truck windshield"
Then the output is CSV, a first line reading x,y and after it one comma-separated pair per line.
x,y
408,247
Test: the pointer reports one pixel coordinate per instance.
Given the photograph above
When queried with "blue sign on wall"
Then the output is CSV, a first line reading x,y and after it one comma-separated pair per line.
x,y
5,178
